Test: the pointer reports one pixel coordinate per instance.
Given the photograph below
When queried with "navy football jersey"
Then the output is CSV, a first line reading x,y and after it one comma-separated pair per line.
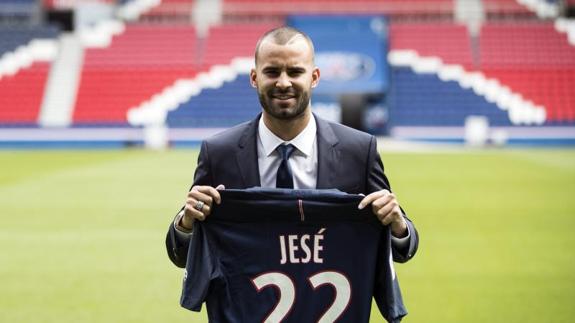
x,y
272,255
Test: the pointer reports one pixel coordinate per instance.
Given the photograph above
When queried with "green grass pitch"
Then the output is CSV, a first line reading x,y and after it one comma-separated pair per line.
x,y
82,235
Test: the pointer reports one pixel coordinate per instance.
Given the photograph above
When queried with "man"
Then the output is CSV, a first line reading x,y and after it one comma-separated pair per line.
x,y
288,146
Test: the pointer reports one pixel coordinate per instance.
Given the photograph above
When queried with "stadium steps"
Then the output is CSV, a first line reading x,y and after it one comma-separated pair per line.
x,y
62,85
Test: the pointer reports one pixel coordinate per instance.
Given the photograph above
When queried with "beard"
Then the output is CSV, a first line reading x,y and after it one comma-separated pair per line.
x,y
282,111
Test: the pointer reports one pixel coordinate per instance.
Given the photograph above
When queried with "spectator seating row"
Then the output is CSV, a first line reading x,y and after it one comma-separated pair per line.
x,y
146,59
171,9
139,63
21,93
447,41
534,60
425,100
232,40
396,8
16,36
520,45
18,2
233,103
388,7
505,8
66,4
17,8
531,59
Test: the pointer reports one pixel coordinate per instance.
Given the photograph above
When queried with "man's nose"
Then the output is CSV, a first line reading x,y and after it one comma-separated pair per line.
x,y
283,81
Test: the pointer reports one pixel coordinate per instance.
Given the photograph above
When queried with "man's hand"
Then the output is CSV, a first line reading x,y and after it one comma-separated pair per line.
x,y
199,204
386,207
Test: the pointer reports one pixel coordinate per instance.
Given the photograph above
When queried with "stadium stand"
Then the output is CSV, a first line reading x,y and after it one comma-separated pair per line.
x,y
535,60
448,41
287,7
61,4
531,59
170,10
227,41
17,3
233,103
16,36
425,100
22,76
21,95
152,67
506,8
140,63
534,44
17,10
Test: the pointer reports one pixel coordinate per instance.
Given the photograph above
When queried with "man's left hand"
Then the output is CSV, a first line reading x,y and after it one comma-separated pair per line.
x,y
386,207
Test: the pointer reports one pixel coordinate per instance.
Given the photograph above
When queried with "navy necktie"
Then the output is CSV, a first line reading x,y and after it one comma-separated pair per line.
x,y
284,178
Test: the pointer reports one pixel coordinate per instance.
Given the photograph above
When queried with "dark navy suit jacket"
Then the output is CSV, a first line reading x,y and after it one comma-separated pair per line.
x,y
347,160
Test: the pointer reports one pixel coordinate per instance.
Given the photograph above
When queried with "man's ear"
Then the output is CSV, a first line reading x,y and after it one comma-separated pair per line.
x,y
315,77
253,76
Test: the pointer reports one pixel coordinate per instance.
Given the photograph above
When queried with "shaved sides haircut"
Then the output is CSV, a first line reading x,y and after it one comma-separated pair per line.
x,y
282,36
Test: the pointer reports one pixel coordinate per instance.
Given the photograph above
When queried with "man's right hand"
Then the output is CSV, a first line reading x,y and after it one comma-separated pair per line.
x,y
199,204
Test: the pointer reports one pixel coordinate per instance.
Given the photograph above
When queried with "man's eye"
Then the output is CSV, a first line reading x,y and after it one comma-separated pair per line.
x,y
295,73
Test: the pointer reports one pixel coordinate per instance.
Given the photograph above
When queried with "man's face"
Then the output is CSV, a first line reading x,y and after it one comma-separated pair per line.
x,y
284,76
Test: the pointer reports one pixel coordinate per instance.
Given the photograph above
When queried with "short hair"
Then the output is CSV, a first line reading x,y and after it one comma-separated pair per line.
x,y
281,36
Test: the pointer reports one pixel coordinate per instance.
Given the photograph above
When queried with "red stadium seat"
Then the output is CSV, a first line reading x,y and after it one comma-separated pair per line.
x,y
232,40
447,41
287,7
505,8
534,60
21,94
139,63
171,9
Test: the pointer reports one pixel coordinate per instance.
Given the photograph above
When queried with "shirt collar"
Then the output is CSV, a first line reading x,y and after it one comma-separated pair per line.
x,y
303,141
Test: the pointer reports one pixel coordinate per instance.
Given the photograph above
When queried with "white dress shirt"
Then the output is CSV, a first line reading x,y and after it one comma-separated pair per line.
x,y
303,160
303,164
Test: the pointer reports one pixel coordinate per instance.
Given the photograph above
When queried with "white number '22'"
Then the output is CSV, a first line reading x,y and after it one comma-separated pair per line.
x,y
287,289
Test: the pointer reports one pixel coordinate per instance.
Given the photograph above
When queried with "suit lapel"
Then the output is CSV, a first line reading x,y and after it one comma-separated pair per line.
x,y
247,155
327,154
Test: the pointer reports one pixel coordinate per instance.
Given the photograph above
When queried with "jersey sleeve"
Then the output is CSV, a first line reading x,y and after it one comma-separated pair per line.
x,y
201,271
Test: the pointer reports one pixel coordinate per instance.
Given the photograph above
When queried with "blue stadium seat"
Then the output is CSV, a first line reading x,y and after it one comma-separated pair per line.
x,y
233,103
18,11
425,100
15,36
